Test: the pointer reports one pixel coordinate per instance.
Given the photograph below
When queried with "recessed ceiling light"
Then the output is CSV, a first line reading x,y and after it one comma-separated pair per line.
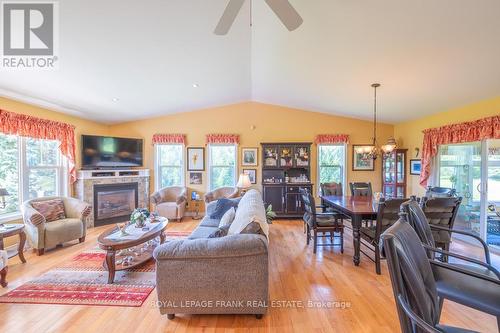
x,y
115,99
195,85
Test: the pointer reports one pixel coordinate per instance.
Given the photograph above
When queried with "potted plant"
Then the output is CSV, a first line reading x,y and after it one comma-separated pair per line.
x,y
270,214
139,217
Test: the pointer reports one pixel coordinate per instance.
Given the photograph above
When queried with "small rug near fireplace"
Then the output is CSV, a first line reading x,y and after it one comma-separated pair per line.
x,y
83,281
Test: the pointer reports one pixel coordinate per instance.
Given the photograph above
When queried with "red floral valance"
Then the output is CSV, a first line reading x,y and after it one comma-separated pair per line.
x,y
223,138
169,138
28,126
331,138
486,128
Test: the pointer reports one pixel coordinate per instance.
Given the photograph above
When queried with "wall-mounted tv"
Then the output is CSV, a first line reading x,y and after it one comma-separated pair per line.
x,y
100,152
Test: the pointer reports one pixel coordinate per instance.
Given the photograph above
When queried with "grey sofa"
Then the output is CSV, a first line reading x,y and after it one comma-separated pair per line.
x,y
225,275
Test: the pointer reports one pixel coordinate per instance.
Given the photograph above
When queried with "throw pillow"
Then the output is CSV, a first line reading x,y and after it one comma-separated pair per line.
x,y
220,232
223,205
228,217
252,228
52,210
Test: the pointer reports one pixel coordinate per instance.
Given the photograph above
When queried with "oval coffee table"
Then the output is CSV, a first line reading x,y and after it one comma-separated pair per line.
x,y
113,245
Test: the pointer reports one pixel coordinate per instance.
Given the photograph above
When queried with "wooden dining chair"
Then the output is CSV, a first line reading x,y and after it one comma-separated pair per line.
x,y
387,215
361,189
327,224
331,189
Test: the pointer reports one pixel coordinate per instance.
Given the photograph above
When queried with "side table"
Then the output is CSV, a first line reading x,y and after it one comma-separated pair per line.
x,y
8,230
197,215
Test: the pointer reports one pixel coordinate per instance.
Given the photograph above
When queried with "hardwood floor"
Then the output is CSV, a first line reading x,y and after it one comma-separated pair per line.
x,y
295,275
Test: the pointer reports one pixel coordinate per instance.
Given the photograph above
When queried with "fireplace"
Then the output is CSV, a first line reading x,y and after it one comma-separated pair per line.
x,y
114,202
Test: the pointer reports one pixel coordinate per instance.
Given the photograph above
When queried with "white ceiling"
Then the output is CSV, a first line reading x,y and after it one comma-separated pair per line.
x,y
429,56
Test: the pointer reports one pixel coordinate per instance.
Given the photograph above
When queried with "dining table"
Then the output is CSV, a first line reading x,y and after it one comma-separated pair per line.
x,y
358,208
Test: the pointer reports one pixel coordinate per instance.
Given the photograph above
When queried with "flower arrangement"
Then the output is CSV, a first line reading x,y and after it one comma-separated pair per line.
x,y
139,217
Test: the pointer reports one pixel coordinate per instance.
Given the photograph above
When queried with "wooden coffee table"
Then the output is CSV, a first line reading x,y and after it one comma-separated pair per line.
x,y
11,230
112,246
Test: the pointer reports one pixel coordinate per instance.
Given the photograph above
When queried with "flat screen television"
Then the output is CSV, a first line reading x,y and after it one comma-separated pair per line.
x,y
100,152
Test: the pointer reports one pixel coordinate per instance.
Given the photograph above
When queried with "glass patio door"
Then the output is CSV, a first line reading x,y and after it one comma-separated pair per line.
x,y
460,169
473,170
492,229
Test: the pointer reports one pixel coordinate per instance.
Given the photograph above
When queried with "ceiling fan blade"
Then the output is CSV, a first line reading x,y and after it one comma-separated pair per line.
x,y
227,19
286,13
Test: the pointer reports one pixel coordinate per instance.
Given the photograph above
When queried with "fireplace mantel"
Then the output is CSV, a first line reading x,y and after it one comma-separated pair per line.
x,y
87,179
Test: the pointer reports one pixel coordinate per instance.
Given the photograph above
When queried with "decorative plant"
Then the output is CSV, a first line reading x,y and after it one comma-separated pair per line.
x,y
270,214
139,217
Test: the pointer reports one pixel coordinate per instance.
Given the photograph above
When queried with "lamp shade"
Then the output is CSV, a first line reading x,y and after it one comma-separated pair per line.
x,y
3,192
244,181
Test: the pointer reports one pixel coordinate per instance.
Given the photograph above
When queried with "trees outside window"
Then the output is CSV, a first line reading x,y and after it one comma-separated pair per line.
x,y
30,168
222,165
169,165
331,163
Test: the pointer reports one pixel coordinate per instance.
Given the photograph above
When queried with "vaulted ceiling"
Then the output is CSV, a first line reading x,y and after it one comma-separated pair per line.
x,y
122,60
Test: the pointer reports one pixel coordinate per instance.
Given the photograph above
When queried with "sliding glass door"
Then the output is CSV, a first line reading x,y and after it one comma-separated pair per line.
x,y
492,229
473,170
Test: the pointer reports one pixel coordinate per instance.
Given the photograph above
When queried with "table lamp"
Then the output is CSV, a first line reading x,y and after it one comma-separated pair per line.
x,y
3,194
244,183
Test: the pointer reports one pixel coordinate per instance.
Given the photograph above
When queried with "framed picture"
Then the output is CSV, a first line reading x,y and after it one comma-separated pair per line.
x,y
415,167
358,162
252,174
249,156
195,178
196,159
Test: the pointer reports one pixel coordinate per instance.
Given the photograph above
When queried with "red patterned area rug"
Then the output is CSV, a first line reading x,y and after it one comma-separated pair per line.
x,y
83,281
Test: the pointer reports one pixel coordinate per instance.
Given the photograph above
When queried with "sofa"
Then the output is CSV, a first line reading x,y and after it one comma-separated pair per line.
x,y
43,234
170,202
222,275
222,192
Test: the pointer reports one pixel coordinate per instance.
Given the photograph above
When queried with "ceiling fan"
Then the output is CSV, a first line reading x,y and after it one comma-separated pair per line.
x,y
282,8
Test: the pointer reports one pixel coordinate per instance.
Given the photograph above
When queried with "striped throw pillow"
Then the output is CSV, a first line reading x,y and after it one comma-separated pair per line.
x,y
52,210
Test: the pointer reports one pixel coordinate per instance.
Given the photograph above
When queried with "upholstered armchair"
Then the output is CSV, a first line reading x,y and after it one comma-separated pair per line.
x,y
222,192
44,232
170,202
3,268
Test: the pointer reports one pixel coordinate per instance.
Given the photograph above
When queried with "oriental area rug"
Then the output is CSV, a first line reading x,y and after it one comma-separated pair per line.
x,y
83,281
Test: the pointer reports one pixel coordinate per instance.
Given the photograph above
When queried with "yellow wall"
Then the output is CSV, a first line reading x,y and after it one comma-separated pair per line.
x,y
409,134
81,127
272,124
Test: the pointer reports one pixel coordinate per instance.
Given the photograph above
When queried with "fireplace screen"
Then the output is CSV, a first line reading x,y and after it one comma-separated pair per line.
x,y
114,203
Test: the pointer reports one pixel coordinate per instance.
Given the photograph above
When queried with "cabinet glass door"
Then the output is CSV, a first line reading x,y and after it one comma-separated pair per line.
x,y
301,156
400,163
389,168
270,157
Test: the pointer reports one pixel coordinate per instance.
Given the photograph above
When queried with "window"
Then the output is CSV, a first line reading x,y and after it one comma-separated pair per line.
x,y
331,163
222,165
30,168
169,165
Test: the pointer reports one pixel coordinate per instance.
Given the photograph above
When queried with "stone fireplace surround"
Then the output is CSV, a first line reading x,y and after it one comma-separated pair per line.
x,y
86,179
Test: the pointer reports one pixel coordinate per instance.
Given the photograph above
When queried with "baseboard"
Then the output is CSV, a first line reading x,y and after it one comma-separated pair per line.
x,y
191,214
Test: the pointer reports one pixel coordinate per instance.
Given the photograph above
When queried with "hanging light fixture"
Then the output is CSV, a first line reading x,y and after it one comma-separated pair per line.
x,y
372,152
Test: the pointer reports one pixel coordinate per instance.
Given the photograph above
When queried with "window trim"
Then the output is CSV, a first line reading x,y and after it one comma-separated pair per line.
x,y
158,168
209,169
318,165
62,181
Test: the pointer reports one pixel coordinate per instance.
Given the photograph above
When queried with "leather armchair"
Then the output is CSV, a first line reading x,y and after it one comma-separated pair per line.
x,y
43,235
222,192
170,202
3,268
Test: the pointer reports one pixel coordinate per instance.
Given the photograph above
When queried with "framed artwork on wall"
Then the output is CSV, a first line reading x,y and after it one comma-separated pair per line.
x,y
196,159
358,162
252,174
415,167
249,156
195,178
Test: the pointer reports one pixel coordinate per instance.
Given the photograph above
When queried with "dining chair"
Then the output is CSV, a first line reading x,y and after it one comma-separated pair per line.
x,y
441,212
440,192
462,281
327,224
387,215
331,189
415,289
361,189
